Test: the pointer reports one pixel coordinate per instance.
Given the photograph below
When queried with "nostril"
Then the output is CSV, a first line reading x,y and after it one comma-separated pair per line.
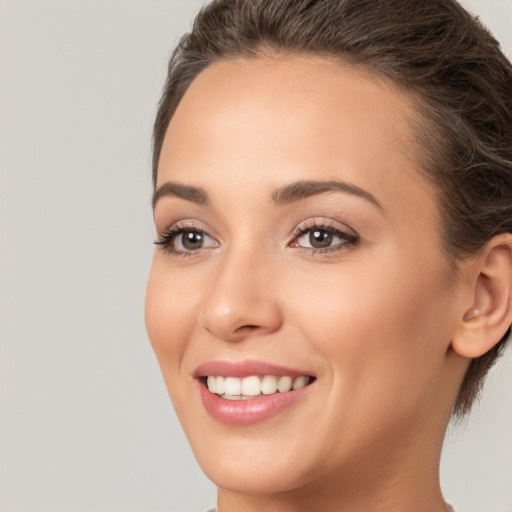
x,y
247,328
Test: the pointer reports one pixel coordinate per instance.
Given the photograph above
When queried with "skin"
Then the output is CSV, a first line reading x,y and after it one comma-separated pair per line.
x,y
372,320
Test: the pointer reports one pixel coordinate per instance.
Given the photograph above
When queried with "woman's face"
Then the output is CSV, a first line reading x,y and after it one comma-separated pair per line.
x,y
298,239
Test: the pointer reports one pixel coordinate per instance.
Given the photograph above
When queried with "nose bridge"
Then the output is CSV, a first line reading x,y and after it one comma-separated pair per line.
x,y
241,301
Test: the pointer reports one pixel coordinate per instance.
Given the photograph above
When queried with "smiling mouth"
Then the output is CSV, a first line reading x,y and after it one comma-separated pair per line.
x,y
254,386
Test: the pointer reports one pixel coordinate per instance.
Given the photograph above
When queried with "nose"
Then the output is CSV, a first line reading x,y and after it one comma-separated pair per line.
x,y
242,300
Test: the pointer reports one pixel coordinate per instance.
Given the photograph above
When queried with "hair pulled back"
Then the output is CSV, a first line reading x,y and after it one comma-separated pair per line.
x,y
437,51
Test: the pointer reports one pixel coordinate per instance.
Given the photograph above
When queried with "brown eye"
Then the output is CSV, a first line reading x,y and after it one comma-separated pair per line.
x,y
320,239
179,240
324,239
191,240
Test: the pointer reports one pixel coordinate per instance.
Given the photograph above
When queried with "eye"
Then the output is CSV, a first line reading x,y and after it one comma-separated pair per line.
x,y
318,238
190,240
184,240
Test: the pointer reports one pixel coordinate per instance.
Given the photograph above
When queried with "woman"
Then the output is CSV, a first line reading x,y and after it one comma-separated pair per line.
x,y
332,276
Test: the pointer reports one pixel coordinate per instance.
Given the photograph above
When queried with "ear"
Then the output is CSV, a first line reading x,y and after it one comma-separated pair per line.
x,y
486,321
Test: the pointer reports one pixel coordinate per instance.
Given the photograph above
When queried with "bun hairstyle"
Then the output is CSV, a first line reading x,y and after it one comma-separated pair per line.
x,y
443,56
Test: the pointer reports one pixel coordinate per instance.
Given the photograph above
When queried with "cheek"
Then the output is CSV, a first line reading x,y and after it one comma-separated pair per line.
x,y
383,328
351,304
168,313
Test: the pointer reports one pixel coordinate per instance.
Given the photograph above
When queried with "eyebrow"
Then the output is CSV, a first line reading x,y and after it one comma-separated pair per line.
x,y
282,196
195,194
307,188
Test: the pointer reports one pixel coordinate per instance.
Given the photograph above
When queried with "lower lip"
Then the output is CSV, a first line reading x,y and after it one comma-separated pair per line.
x,y
246,412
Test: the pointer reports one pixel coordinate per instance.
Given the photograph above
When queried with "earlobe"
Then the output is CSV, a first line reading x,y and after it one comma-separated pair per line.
x,y
486,321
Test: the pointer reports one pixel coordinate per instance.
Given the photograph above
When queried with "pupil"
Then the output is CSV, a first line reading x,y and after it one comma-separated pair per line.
x,y
192,240
320,239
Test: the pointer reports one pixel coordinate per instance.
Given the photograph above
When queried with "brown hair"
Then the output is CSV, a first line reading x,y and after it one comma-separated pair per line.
x,y
436,50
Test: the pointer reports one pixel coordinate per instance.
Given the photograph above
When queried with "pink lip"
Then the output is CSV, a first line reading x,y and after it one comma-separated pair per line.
x,y
254,410
246,412
245,369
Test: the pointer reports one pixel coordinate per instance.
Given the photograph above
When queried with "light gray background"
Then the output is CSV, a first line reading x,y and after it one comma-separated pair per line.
x,y
85,421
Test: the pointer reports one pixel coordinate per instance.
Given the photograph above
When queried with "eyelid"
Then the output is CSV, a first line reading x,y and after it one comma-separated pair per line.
x,y
348,235
323,223
184,224
165,237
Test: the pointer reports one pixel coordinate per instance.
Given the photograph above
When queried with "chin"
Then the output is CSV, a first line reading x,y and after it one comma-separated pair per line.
x,y
254,476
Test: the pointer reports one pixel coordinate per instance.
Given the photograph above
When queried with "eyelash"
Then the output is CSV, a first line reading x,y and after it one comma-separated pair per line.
x,y
349,239
165,239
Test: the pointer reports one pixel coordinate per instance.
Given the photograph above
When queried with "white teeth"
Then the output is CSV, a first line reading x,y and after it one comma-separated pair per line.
x,y
210,382
268,385
300,382
231,397
251,386
284,384
219,385
234,388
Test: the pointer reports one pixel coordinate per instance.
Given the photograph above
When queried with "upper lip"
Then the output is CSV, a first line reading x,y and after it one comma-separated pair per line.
x,y
245,369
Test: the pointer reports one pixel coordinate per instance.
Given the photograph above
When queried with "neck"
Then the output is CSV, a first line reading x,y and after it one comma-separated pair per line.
x,y
406,487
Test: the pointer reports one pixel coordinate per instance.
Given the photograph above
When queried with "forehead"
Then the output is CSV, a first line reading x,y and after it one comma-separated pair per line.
x,y
262,122
301,97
